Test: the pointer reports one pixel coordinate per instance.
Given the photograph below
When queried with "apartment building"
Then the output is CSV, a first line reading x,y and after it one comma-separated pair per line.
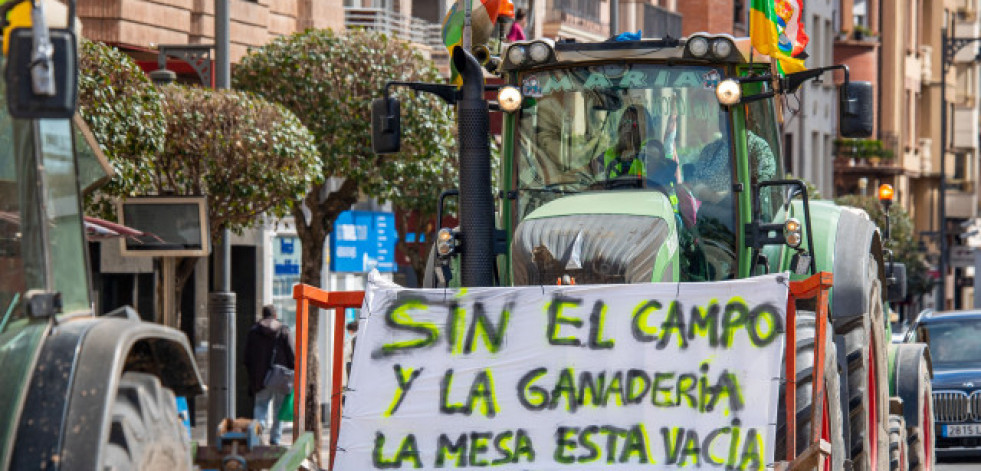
x,y
139,26
810,116
898,46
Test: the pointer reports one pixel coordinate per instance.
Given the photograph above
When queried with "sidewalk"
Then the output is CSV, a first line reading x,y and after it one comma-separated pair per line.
x,y
199,434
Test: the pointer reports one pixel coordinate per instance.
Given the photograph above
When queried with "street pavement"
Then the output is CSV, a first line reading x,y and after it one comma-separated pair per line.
x,y
959,463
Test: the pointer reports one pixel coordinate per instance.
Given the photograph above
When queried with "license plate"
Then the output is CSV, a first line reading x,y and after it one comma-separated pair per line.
x,y
962,430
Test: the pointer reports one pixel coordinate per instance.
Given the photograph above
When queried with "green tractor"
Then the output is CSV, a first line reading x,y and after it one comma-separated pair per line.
x,y
78,389
659,160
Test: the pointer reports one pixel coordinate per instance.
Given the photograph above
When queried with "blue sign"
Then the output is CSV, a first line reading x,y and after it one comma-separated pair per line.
x,y
362,241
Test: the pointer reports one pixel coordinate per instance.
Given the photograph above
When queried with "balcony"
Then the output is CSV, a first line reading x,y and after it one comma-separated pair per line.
x,y
867,157
395,24
914,72
925,151
926,63
965,127
579,19
660,23
961,204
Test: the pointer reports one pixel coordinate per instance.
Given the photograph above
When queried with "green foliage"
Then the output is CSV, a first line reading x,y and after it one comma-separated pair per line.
x,y
902,240
812,191
250,156
123,110
863,148
329,80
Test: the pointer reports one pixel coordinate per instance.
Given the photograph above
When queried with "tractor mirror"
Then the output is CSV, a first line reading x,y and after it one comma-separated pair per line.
x,y
386,125
895,282
856,113
40,85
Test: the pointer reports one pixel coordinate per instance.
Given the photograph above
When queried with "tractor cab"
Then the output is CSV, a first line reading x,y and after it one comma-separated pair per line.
x,y
607,151
626,162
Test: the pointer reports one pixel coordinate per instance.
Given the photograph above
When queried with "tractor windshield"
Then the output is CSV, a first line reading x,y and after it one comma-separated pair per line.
x,y
631,126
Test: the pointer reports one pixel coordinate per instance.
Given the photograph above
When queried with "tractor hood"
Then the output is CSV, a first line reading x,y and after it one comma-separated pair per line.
x,y
596,238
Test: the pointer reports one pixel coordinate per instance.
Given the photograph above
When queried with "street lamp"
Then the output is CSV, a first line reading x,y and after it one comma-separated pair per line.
x,y
951,45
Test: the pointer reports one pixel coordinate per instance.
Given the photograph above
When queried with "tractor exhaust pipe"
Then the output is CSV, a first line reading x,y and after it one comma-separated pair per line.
x,y
476,200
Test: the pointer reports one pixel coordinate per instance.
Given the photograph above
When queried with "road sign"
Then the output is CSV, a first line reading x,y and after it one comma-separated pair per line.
x,y
363,240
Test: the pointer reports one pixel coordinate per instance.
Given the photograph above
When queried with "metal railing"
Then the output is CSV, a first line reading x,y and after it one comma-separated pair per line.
x,y
395,24
660,23
582,14
588,10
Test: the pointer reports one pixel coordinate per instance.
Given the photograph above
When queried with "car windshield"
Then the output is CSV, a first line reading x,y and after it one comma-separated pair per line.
x,y
952,341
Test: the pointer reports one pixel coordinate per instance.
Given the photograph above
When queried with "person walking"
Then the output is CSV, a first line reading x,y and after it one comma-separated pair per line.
x,y
517,32
267,343
349,342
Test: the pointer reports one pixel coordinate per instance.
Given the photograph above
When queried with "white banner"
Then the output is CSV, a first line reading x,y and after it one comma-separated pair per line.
x,y
646,376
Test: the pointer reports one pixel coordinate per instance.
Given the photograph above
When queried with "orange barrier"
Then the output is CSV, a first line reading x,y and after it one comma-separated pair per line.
x,y
816,286
307,296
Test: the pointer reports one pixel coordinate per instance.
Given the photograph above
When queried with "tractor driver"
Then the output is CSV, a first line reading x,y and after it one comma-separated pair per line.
x,y
624,158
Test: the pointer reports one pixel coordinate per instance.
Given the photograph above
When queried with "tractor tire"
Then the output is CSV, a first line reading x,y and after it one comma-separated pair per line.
x,y
920,439
897,444
146,432
865,350
806,333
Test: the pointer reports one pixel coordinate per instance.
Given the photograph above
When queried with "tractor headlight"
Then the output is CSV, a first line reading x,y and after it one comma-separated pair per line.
x,y
517,54
698,46
509,99
721,47
728,92
539,52
445,242
792,232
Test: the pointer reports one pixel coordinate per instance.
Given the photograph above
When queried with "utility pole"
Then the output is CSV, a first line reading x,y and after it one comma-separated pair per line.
x,y
941,303
221,302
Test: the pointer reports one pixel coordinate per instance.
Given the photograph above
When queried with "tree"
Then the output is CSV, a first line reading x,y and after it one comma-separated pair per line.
x,y
124,112
249,156
902,240
328,80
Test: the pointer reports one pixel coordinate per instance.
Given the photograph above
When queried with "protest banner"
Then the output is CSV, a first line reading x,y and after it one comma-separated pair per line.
x,y
645,376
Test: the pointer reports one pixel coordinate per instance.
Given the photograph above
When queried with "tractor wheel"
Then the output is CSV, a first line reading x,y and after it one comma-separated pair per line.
x,y
868,407
831,416
920,439
897,444
146,432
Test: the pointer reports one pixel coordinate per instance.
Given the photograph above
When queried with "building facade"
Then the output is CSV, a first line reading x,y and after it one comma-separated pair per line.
x,y
899,46
810,116
142,25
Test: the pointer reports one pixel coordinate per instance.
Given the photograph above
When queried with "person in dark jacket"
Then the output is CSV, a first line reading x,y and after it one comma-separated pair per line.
x,y
266,335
